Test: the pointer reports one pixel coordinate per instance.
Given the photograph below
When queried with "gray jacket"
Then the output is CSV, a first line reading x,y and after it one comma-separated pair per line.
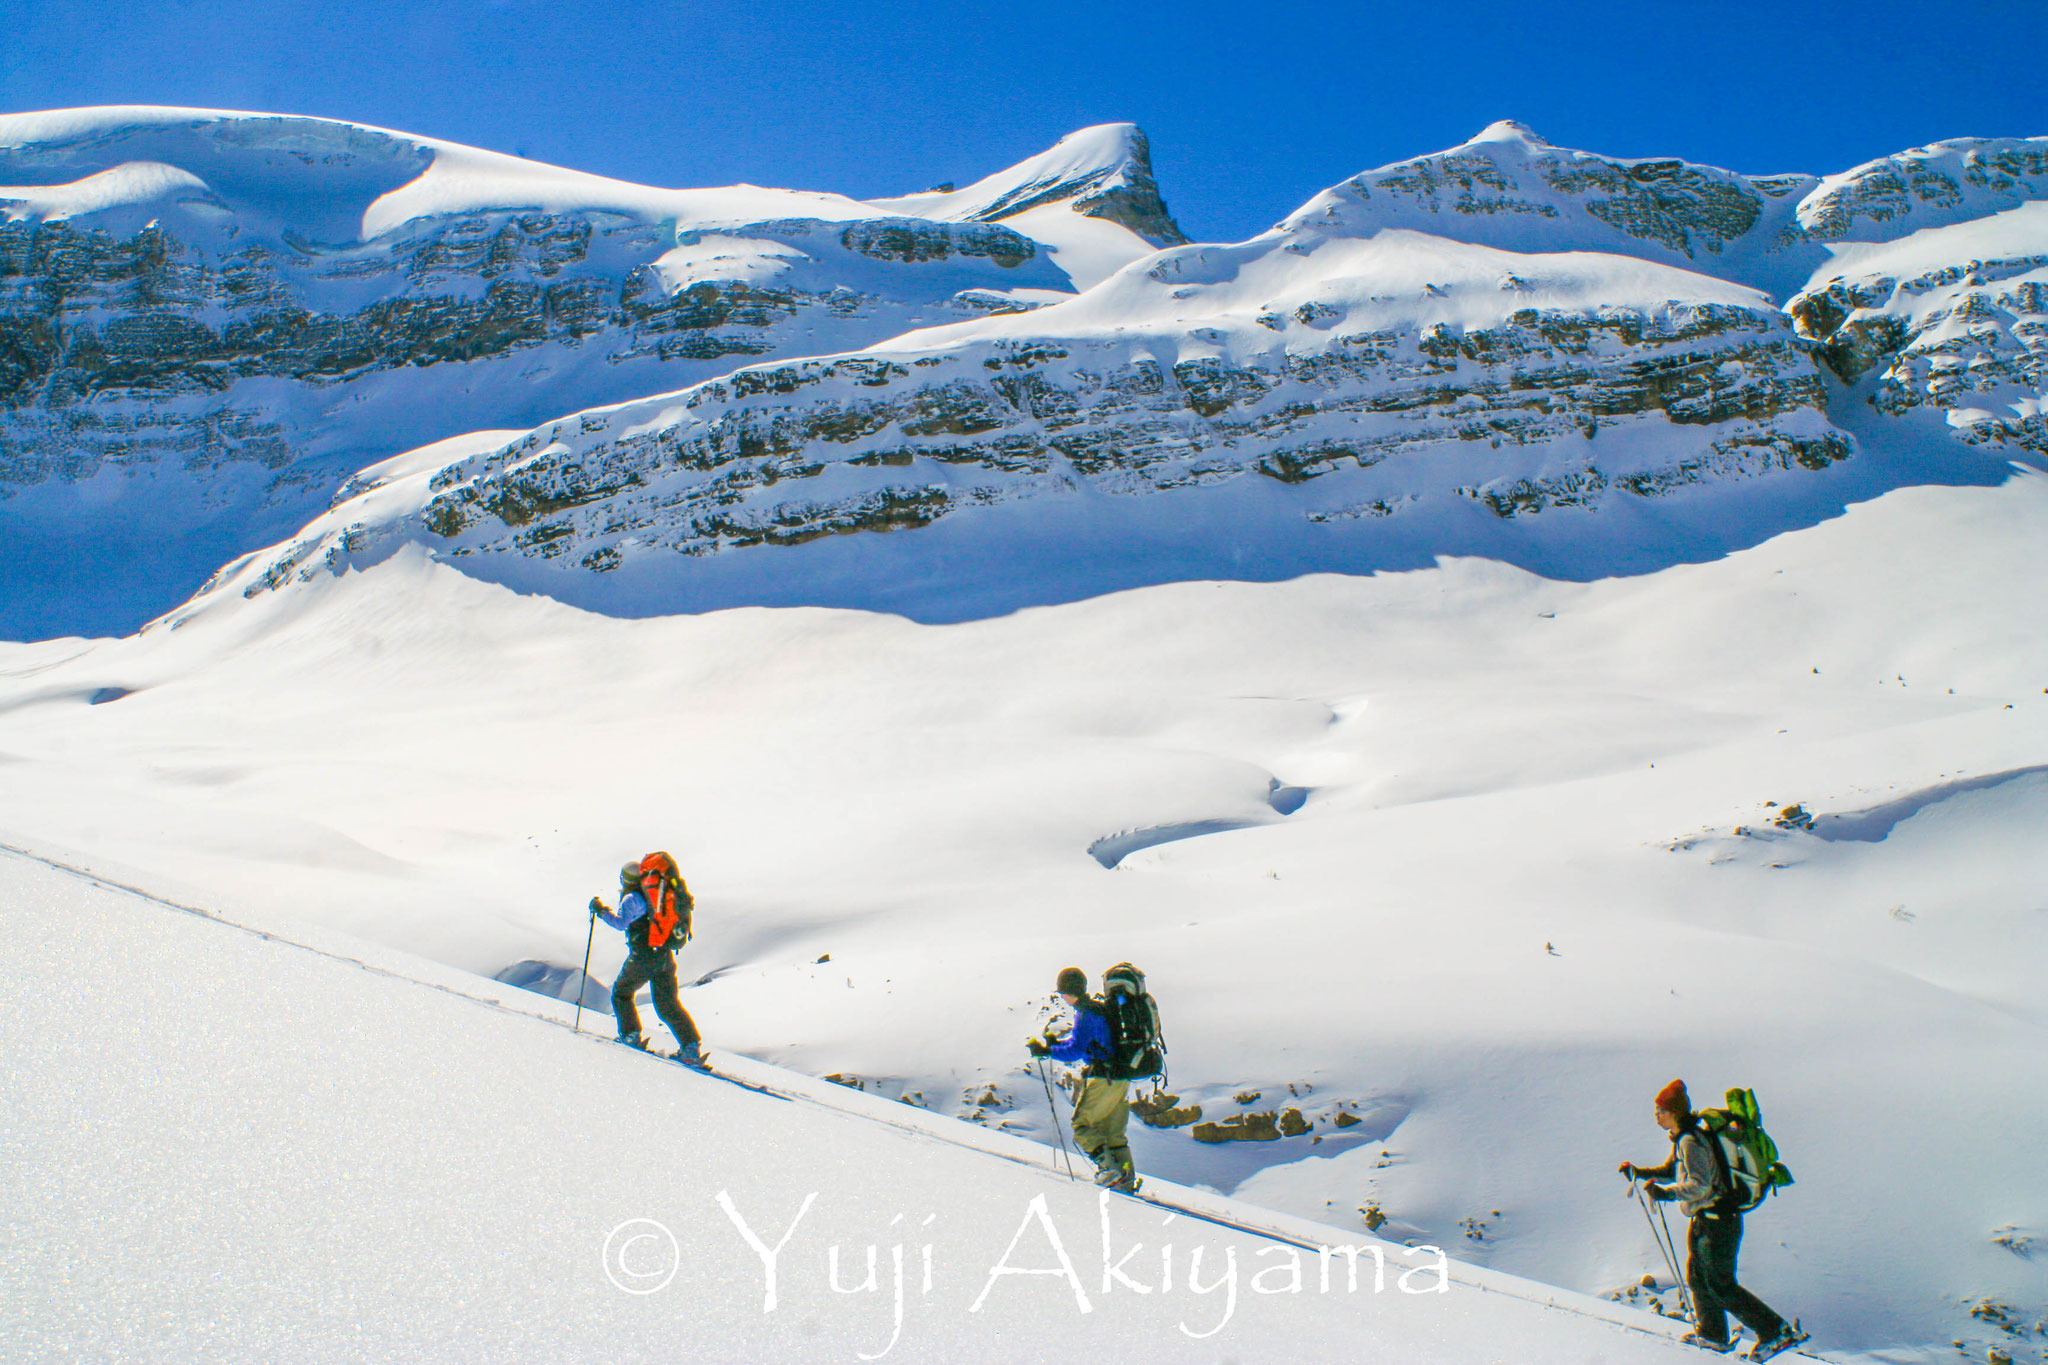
x,y
1698,1185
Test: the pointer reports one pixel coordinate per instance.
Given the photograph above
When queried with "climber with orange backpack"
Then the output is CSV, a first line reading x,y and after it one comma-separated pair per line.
x,y
654,911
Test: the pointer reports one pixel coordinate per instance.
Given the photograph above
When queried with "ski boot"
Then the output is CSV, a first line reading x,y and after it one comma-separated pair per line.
x,y
633,1040
1115,1174
1788,1337
692,1055
1706,1343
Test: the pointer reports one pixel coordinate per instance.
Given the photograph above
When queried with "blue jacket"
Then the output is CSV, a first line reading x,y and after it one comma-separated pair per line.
x,y
632,909
1090,1041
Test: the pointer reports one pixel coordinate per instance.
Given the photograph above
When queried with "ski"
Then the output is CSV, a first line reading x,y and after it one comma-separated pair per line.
x,y
706,1069
702,1069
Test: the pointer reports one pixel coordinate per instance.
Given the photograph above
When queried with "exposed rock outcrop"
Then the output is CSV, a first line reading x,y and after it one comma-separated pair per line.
x,y
1954,322
99,333
1934,186
907,438
1161,1110
1259,1126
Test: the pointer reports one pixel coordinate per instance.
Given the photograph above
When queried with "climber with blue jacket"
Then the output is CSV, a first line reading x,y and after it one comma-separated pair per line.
x,y
1102,1108
652,937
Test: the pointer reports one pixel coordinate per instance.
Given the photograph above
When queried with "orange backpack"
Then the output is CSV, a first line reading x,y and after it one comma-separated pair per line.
x,y
668,901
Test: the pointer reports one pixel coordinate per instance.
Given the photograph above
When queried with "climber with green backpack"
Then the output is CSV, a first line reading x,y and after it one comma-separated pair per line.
x,y
1722,1165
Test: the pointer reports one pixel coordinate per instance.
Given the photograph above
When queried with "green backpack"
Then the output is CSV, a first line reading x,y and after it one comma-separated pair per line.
x,y
1747,1157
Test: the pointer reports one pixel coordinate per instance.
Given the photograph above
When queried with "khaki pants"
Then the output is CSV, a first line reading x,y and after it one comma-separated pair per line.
x,y
1101,1111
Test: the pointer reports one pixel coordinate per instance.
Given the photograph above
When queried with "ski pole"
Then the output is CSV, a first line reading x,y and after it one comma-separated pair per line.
x,y
1661,1230
1057,1130
1662,1237
584,980
1684,1289
1656,1236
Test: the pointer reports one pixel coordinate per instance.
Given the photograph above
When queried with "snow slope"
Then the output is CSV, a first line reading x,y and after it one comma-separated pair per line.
x,y
230,1147
1459,864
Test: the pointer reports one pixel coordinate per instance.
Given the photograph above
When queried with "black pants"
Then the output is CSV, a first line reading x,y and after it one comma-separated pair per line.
x,y
1711,1243
655,966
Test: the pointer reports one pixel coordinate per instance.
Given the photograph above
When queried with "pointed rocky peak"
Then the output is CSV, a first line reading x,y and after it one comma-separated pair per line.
x,y
1101,172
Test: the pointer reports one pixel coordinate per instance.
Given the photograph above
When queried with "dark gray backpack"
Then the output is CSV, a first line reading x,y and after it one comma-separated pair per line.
x,y
1138,1046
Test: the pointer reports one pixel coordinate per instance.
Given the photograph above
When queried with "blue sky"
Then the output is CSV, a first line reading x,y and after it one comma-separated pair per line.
x,y
1251,107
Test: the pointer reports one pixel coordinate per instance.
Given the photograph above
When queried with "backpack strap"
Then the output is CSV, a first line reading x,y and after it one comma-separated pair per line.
x,y
1727,1199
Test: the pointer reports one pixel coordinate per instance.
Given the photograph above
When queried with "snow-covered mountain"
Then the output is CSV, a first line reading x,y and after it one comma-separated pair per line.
x,y
1285,396
1411,361
1071,198
209,320
1510,188
1413,355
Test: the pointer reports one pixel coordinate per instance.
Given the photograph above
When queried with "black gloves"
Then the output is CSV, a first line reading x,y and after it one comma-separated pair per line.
x,y
597,906
1651,1188
1036,1047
